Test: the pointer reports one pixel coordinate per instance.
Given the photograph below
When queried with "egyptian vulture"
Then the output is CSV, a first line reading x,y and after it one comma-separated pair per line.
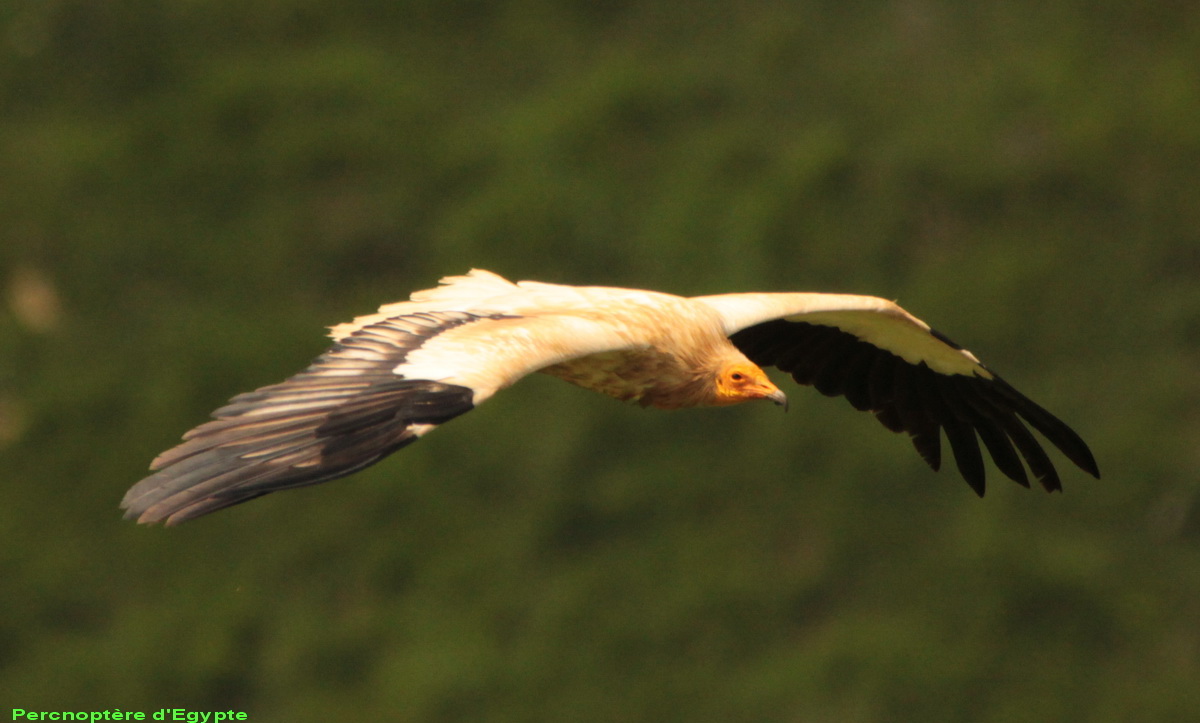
x,y
393,376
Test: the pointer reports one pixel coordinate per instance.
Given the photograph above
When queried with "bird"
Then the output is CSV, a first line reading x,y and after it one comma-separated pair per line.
x,y
392,376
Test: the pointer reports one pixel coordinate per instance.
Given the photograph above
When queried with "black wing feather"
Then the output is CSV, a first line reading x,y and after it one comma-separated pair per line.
x,y
915,399
856,385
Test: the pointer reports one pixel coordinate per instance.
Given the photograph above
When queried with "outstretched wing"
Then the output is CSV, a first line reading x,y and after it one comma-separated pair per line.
x,y
884,360
377,390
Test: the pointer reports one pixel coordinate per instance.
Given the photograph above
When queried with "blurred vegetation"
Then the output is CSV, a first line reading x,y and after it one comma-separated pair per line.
x,y
189,191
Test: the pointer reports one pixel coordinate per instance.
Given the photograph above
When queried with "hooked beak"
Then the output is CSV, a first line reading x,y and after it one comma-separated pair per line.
x,y
779,398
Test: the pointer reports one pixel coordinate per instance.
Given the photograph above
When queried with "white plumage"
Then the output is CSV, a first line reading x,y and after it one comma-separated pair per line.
x,y
394,375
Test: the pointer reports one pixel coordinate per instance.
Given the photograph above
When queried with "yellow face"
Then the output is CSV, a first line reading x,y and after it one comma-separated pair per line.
x,y
743,382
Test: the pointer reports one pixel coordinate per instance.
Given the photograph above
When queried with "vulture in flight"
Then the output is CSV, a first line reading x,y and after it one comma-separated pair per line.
x,y
393,376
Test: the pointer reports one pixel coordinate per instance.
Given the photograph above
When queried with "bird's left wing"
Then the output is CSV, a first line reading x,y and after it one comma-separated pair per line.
x,y
885,360
376,390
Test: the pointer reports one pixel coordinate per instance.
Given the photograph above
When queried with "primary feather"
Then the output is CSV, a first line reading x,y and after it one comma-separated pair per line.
x,y
392,376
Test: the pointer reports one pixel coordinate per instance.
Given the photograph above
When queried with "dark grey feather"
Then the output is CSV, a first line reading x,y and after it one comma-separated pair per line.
x,y
346,411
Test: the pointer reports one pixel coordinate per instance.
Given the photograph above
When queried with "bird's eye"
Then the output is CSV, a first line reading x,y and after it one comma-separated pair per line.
x,y
737,376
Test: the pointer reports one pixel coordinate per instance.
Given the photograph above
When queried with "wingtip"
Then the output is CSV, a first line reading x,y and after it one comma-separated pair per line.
x,y
139,517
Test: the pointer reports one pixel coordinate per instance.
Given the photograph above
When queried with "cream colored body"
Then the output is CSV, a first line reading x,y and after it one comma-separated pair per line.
x,y
645,346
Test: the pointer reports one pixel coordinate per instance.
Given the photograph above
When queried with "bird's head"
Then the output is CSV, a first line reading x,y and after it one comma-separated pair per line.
x,y
743,381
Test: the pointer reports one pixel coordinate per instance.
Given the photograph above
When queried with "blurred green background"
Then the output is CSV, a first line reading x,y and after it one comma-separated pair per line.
x,y
191,191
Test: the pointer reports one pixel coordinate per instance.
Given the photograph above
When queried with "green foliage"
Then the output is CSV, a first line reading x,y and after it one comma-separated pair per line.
x,y
192,189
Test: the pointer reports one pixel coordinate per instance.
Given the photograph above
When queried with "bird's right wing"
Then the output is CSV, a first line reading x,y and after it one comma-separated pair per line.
x,y
885,360
377,390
